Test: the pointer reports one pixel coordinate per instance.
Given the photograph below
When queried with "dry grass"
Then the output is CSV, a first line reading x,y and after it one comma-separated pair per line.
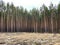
x,y
30,38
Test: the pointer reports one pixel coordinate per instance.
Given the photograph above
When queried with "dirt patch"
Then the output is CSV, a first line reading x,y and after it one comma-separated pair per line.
x,y
29,38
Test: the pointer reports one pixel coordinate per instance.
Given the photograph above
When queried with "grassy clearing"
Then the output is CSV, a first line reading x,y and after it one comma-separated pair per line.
x,y
30,38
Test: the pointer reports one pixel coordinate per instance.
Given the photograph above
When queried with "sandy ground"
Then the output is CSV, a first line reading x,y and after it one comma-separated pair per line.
x,y
29,39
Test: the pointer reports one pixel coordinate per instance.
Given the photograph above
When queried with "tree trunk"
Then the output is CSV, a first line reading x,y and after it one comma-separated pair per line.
x,y
45,23
52,22
36,26
41,25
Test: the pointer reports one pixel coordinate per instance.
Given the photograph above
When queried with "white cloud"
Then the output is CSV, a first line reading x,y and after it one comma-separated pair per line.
x,y
29,4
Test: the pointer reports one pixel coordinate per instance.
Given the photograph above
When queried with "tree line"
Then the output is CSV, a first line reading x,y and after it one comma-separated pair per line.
x,y
17,19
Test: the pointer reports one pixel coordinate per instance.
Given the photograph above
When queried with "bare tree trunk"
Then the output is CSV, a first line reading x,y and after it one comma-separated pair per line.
x,y
52,22
36,26
45,23
2,22
21,22
15,22
7,22
41,25
14,25
56,25
26,22
11,24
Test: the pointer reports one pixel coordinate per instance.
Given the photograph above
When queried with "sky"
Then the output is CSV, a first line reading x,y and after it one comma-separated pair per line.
x,y
29,4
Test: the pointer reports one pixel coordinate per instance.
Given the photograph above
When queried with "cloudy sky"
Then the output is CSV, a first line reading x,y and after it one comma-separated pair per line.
x,y
29,4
